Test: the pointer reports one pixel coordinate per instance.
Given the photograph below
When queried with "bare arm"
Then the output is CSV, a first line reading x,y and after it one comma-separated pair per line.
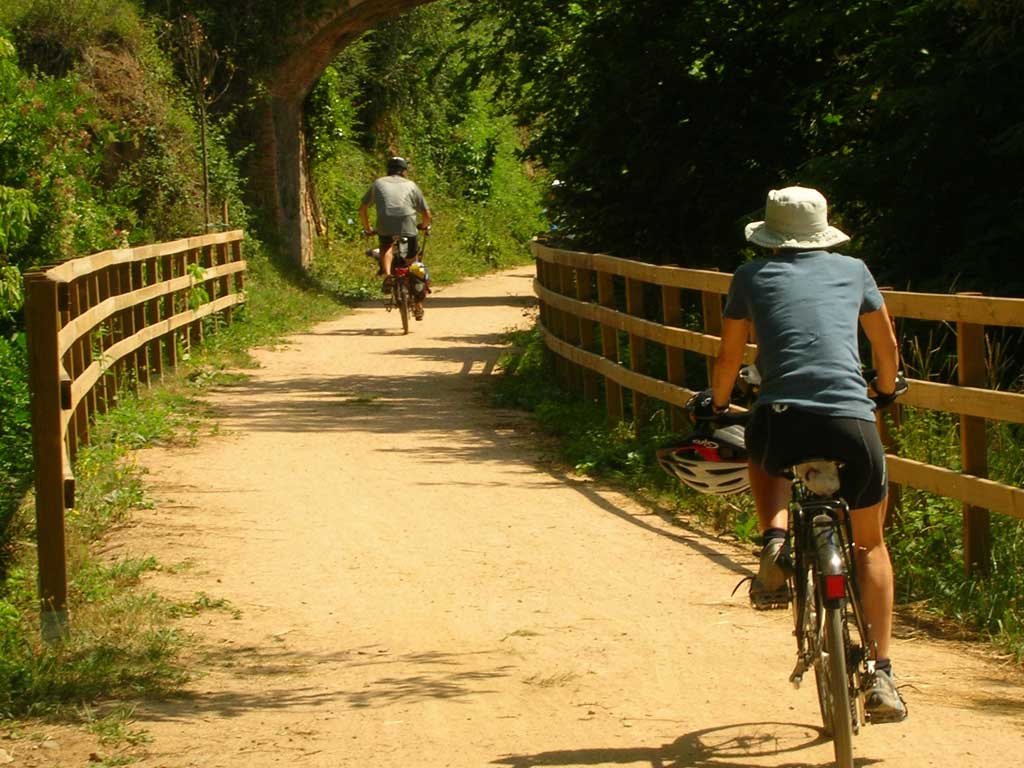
x,y
729,360
364,217
878,327
427,218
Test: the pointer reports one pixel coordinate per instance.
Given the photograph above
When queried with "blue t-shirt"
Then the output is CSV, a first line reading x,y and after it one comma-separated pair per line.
x,y
805,307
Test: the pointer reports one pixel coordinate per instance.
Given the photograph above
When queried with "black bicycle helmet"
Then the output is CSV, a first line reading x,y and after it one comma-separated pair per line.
x,y
397,164
709,463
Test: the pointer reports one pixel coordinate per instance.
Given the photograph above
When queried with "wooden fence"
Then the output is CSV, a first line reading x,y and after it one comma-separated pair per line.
x,y
96,327
583,330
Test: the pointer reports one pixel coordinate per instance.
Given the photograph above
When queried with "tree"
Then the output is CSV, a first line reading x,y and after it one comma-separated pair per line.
x,y
207,76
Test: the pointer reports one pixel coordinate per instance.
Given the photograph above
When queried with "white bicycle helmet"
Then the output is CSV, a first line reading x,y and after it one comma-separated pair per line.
x,y
709,463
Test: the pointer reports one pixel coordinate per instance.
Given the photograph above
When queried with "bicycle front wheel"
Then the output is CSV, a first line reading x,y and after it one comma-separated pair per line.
x,y
833,686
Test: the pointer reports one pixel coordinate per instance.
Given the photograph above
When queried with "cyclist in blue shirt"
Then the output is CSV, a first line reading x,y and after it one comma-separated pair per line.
x,y
805,304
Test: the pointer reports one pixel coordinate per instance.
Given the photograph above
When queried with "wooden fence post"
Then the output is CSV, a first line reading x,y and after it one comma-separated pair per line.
x,y
970,346
169,309
44,369
79,358
570,325
585,292
542,307
672,316
236,255
609,348
637,346
151,316
711,304
556,318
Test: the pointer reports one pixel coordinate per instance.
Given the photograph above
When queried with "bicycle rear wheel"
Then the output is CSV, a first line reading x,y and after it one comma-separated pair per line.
x,y
833,686
402,299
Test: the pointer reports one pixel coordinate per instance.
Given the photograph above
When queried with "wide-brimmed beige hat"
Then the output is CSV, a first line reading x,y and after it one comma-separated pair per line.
x,y
795,217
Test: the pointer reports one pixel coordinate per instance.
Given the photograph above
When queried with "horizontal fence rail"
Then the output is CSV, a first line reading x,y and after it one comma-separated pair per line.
x,y
98,326
592,308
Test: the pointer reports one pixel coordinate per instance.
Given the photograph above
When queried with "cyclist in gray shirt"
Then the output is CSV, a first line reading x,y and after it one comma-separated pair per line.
x,y
397,200
805,305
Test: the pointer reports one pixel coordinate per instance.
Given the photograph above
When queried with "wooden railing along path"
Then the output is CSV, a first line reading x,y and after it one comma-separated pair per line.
x,y
97,326
583,330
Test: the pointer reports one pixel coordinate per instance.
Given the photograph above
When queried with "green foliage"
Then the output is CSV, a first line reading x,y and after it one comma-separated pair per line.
x,y
396,91
927,535
56,34
15,435
197,293
683,125
48,132
16,213
97,150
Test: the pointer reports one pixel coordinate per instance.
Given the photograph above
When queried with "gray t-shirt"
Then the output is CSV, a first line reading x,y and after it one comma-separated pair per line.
x,y
397,200
805,308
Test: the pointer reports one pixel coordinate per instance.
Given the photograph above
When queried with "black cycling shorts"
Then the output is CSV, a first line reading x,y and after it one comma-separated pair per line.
x,y
411,250
779,437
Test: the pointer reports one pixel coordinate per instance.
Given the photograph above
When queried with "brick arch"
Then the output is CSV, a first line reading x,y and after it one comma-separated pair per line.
x,y
281,178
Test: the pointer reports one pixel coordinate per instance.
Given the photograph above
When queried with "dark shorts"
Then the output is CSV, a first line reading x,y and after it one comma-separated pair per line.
x,y
413,245
778,437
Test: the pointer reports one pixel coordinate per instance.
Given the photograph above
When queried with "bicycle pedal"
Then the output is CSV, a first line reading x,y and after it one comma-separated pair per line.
x,y
770,602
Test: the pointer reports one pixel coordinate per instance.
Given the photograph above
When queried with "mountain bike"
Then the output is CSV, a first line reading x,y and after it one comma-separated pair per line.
x,y
402,285
832,636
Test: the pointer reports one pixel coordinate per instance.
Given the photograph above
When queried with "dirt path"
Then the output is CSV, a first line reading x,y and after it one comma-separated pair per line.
x,y
415,589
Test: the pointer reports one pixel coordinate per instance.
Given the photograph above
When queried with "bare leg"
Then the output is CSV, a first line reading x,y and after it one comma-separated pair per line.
x,y
386,257
874,572
771,497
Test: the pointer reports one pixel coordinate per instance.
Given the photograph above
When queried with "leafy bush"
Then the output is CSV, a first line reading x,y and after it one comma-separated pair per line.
x,y
378,99
15,435
54,35
49,133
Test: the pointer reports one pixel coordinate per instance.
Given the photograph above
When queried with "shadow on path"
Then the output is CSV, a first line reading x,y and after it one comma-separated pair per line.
x,y
727,746
416,677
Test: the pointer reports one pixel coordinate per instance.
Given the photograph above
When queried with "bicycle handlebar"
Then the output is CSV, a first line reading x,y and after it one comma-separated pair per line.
x,y
732,417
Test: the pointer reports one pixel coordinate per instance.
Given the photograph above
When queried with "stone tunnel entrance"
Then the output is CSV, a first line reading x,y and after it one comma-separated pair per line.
x,y
281,181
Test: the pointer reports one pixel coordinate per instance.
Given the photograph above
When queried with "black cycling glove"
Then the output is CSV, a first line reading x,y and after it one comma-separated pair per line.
x,y
885,400
702,406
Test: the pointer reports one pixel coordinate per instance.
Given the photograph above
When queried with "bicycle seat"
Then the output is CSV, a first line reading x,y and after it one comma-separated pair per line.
x,y
819,476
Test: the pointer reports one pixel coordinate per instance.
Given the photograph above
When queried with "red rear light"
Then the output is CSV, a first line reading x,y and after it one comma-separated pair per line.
x,y
835,587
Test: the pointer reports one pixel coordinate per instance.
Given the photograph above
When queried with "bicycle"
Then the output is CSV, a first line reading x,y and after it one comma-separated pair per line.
x,y
403,285
832,636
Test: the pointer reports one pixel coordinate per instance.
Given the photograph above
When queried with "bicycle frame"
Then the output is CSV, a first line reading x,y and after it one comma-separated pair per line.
x,y
820,533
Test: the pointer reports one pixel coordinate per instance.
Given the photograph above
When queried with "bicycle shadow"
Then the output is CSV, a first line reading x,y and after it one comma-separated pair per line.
x,y
730,746
681,532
